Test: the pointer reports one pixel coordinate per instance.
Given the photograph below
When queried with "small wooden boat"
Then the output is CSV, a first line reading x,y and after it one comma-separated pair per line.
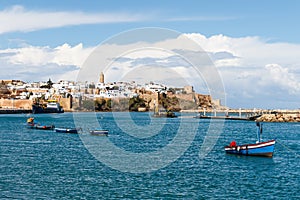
x,y
32,125
258,149
42,127
99,132
66,130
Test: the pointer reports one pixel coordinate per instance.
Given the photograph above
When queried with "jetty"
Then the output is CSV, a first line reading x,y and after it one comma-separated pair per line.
x,y
15,111
253,118
248,114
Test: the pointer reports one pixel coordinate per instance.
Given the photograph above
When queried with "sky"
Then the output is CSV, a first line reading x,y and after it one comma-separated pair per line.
x,y
253,45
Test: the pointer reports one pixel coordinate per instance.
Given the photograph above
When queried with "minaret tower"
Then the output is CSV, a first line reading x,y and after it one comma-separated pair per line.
x,y
101,80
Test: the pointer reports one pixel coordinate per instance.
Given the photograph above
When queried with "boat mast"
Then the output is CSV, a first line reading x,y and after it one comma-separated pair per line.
x,y
259,131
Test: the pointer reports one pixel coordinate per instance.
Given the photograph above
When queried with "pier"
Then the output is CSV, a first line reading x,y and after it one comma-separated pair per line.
x,y
241,112
248,114
15,111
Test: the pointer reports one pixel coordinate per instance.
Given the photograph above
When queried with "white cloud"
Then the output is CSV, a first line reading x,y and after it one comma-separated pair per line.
x,y
17,18
36,56
34,62
255,73
283,78
249,51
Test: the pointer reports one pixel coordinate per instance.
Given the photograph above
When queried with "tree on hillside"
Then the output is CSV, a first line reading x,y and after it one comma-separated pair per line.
x,y
49,83
135,103
169,103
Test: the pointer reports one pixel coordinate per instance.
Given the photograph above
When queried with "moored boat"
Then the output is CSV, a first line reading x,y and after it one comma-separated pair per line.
x,y
99,132
42,127
220,117
32,125
258,149
66,130
50,107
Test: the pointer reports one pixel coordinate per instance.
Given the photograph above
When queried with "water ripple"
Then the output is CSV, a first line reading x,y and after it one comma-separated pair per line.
x,y
47,165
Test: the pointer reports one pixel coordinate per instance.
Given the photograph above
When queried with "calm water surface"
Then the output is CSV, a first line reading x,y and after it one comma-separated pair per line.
x,y
38,164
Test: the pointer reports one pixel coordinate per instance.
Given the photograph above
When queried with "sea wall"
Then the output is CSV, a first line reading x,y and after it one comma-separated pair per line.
x,y
27,104
66,103
279,117
16,104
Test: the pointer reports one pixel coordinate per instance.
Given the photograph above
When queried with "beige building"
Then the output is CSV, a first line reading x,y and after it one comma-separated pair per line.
x,y
101,80
188,89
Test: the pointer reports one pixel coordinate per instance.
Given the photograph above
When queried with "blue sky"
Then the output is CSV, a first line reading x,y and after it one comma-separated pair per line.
x,y
273,20
58,35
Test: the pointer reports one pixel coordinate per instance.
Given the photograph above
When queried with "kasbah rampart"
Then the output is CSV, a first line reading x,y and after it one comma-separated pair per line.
x,y
18,95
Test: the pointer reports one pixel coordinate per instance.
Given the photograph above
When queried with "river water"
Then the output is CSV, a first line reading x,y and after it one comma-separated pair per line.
x,y
40,164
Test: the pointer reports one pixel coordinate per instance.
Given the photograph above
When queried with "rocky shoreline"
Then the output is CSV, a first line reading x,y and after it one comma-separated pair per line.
x,y
279,117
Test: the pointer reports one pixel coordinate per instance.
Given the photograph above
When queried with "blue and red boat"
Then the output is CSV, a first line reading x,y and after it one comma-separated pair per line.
x,y
258,149
33,125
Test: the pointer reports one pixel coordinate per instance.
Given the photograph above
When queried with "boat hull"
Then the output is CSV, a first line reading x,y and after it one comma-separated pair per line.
x,y
41,127
99,132
37,109
66,130
260,149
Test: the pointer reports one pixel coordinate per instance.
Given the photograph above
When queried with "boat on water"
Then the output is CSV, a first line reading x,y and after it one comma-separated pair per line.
x,y
32,125
67,130
164,113
260,148
99,132
42,127
51,107
221,117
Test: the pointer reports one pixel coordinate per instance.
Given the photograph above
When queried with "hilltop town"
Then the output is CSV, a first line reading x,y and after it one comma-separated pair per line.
x,y
17,96
101,96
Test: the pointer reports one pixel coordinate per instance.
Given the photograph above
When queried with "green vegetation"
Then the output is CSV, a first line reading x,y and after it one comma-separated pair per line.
x,y
102,105
136,103
88,105
169,103
173,104
49,84
188,105
120,104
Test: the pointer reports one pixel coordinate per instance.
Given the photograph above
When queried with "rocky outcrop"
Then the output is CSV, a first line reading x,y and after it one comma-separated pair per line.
x,y
279,117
